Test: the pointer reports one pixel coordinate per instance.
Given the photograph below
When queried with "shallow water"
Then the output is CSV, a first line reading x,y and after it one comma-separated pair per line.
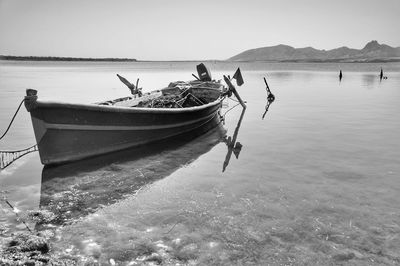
x,y
315,182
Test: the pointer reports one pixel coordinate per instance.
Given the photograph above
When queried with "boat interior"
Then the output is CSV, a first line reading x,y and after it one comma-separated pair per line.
x,y
179,94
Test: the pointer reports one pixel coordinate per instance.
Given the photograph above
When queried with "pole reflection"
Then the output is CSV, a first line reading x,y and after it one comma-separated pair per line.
x,y
233,146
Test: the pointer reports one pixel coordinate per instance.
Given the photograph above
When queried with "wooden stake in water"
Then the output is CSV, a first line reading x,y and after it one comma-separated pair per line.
x,y
233,89
270,98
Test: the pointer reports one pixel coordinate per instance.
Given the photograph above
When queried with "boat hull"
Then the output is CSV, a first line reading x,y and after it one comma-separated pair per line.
x,y
70,132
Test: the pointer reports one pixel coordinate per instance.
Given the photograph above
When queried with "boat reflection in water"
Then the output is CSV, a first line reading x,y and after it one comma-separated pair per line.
x,y
74,190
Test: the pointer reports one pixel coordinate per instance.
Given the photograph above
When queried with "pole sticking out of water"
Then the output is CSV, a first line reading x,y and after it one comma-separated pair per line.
x,y
381,75
233,89
340,75
270,98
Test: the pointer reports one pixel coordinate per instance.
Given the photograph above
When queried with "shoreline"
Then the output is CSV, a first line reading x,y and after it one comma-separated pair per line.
x,y
84,59
68,59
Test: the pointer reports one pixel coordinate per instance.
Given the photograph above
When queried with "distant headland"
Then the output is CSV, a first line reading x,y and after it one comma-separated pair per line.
x,y
56,58
372,52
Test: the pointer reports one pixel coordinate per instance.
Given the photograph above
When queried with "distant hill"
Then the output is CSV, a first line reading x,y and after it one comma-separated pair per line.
x,y
373,51
52,58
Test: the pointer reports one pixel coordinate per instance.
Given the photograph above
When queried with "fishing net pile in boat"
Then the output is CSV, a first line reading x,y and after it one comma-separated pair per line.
x,y
172,101
178,94
181,94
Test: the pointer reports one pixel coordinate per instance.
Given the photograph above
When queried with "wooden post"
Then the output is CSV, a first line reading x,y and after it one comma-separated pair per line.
x,y
195,76
266,83
233,89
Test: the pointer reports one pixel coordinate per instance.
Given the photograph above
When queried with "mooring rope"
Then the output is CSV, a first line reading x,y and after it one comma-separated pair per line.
x,y
12,120
230,109
8,157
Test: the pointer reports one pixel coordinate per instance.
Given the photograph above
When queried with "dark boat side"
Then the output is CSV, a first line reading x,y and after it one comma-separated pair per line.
x,y
69,132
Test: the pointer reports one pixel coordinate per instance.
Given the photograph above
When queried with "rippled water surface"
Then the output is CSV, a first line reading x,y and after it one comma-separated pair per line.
x,y
314,182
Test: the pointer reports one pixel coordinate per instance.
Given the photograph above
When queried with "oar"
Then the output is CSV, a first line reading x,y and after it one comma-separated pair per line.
x,y
233,89
127,83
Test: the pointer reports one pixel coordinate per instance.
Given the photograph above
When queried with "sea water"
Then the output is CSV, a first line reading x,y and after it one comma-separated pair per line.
x,y
314,182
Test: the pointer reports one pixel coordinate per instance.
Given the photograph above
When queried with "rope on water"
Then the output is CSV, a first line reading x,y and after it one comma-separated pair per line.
x,y
230,109
233,100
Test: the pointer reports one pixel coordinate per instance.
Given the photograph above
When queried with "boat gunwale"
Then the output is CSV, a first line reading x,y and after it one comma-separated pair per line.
x,y
111,108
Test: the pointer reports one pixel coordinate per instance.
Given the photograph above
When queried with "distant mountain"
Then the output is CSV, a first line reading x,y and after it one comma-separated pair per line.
x,y
373,51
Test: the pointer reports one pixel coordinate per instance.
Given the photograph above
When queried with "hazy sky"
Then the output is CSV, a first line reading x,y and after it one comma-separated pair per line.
x,y
186,29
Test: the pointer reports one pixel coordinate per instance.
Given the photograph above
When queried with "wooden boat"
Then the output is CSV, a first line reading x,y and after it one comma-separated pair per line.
x,y
68,132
